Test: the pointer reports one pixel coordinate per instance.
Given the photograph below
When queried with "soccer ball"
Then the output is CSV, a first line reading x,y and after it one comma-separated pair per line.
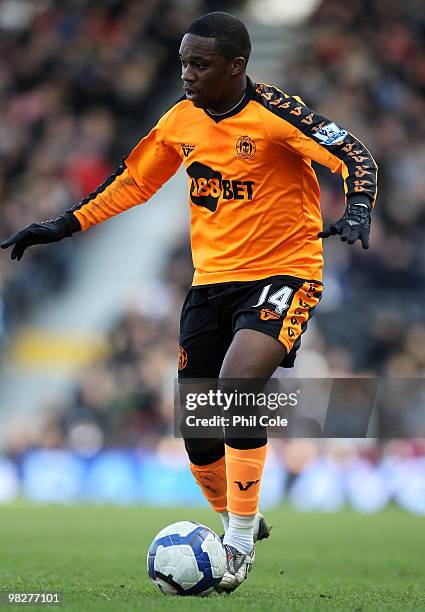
x,y
186,558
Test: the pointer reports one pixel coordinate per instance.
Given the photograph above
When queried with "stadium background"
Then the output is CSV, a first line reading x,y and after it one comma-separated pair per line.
x,y
88,327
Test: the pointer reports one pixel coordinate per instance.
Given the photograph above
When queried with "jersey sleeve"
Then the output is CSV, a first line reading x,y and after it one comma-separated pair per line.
x,y
303,131
151,163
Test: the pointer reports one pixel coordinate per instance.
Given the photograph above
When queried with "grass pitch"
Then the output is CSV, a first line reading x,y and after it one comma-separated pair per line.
x,y
96,557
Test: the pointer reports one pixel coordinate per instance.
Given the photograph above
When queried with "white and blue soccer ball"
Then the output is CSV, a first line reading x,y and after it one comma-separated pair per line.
x,y
186,558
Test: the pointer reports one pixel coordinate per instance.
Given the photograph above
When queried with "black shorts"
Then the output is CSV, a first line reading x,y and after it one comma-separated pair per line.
x,y
279,306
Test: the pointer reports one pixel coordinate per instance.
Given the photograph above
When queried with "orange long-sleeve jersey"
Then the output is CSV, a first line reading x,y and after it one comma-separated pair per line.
x,y
253,195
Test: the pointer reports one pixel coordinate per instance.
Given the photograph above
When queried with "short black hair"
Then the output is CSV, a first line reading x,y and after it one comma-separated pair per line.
x,y
232,38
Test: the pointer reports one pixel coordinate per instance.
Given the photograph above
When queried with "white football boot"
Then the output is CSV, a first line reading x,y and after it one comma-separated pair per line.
x,y
238,567
240,564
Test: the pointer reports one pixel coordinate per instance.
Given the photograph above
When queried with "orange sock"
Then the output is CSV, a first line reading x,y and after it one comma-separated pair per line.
x,y
212,480
244,470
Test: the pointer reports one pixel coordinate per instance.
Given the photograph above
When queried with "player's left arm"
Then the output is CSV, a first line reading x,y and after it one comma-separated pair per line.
x,y
313,136
151,163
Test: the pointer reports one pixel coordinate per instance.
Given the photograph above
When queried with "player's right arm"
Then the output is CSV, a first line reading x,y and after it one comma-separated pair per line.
x,y
151,163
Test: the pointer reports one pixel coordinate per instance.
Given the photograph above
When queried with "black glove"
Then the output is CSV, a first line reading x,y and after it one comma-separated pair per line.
x,y
41,233
354,225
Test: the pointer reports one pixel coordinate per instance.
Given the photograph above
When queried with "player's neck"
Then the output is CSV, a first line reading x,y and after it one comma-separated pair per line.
x,y
231,101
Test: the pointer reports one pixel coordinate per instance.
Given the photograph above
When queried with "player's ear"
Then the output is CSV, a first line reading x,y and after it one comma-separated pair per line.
x,y
237,66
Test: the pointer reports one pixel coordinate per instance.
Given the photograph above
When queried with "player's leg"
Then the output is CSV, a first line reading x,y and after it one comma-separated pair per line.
x,y
202,349
251,355
268,322
264,339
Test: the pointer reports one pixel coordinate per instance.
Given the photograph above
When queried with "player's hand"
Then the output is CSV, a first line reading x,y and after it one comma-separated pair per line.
x,y
39,233
354,225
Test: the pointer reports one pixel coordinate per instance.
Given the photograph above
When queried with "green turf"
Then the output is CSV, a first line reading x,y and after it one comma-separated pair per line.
x,y
96,557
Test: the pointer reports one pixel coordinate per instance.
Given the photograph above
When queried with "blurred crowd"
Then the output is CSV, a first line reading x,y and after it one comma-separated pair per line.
x,y
363,65
65,118
311,476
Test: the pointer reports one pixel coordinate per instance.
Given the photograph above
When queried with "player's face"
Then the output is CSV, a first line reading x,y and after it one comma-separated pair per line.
x,y
208,76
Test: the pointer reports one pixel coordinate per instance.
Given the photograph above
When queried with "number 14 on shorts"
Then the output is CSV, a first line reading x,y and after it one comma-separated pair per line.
x,y
280,299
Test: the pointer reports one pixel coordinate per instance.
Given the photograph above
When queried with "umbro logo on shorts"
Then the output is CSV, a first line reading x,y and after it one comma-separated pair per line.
x,y
266,314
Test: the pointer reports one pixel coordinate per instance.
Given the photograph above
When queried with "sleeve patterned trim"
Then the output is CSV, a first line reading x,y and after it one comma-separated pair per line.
x,y
361,167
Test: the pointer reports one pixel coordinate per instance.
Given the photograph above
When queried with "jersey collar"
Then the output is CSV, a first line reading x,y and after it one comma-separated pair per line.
x,y
249,91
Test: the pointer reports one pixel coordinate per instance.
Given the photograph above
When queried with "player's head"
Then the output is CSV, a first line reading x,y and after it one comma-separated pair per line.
x,y
214,54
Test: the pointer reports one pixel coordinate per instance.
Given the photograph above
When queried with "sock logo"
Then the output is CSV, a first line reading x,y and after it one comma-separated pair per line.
x,y
248,484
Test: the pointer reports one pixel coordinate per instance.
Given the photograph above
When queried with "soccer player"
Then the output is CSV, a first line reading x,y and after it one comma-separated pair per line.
x,y
255,234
